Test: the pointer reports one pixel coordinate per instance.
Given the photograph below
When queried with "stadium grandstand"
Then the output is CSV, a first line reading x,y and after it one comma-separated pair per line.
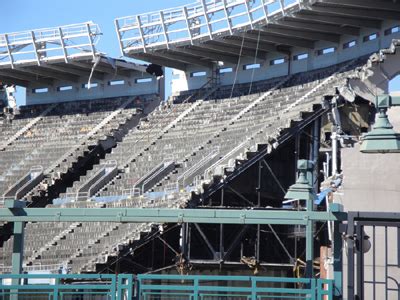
x,y
270,172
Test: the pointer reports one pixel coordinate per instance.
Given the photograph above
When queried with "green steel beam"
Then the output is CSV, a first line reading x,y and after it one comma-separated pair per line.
x,y
145,215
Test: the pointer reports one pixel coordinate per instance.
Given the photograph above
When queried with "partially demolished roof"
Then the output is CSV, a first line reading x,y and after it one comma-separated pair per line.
x,y
64,53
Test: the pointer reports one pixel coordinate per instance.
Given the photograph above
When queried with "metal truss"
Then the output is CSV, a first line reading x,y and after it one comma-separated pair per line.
x,y
196,22
35,47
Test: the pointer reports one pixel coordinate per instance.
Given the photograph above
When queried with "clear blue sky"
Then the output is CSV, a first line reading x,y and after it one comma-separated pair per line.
x,y
19,15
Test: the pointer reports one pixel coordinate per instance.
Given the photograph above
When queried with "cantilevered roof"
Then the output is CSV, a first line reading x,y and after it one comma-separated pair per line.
x,y
222,30
66,53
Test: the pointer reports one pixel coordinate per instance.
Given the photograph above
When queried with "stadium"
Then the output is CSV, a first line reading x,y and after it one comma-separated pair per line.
x,y
271,170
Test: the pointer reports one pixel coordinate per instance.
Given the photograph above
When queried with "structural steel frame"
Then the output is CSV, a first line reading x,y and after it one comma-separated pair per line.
x,y
17,213
195,22
37,47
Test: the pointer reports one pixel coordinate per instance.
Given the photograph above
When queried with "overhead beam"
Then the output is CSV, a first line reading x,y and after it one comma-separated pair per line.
x,y
159,60
73,71
302,34
308,15
9,80
50,74
312,26
26,77
203,52
356,13
292,41
187,59
250,44
247,51
144,215
102,69
233,49
365,4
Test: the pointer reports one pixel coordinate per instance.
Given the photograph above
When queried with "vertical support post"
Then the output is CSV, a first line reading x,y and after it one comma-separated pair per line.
x,y
18,248
164,28
228,19
55,291
360,261
89,35
249,16
221,230
259,184
337,261
35,47
185,13
121,45
265,9
310,242
60,32
334,150
17,256
207,19
350,257
309,248
196,288
258,243
315,153
9,51
139,22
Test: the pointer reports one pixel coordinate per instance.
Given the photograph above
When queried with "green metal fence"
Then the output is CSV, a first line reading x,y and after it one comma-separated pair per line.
x,y
160,287
66,287
178,287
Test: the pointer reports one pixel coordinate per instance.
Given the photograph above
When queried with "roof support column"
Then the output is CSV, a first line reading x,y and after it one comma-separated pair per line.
x,y
141,33
185,13
63,44
207,19
35,48
89,35
228,19
249,16
9,51
265,9
164,28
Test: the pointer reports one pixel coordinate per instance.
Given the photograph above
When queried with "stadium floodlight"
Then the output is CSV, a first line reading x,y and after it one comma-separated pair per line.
x,y
302,190
382,138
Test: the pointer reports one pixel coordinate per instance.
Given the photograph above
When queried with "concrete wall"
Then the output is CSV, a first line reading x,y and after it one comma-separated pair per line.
x,y
103,89
184,82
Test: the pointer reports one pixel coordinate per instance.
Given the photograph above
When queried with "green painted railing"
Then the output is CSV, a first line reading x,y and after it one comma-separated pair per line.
x,y
160,287
66,286
231,287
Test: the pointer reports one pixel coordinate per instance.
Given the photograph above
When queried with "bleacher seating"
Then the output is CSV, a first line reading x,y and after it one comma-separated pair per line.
x,y
185,134
58,135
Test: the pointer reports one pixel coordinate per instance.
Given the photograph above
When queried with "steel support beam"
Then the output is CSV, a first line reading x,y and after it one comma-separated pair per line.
x,y
49,74
102,69
372,5
356,12
297,33
250,44
206,53
176,56
345,20
26,77
313,26
159,60
292,41
233,49
69,70
141,215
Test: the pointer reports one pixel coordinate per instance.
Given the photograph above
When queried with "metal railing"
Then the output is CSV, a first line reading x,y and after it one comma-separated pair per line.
x,y
150,286
201,20
66,286
232,287
49,44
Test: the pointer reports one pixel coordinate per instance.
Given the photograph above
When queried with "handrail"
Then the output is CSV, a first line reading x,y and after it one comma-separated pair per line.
x,y
46,44
201,20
